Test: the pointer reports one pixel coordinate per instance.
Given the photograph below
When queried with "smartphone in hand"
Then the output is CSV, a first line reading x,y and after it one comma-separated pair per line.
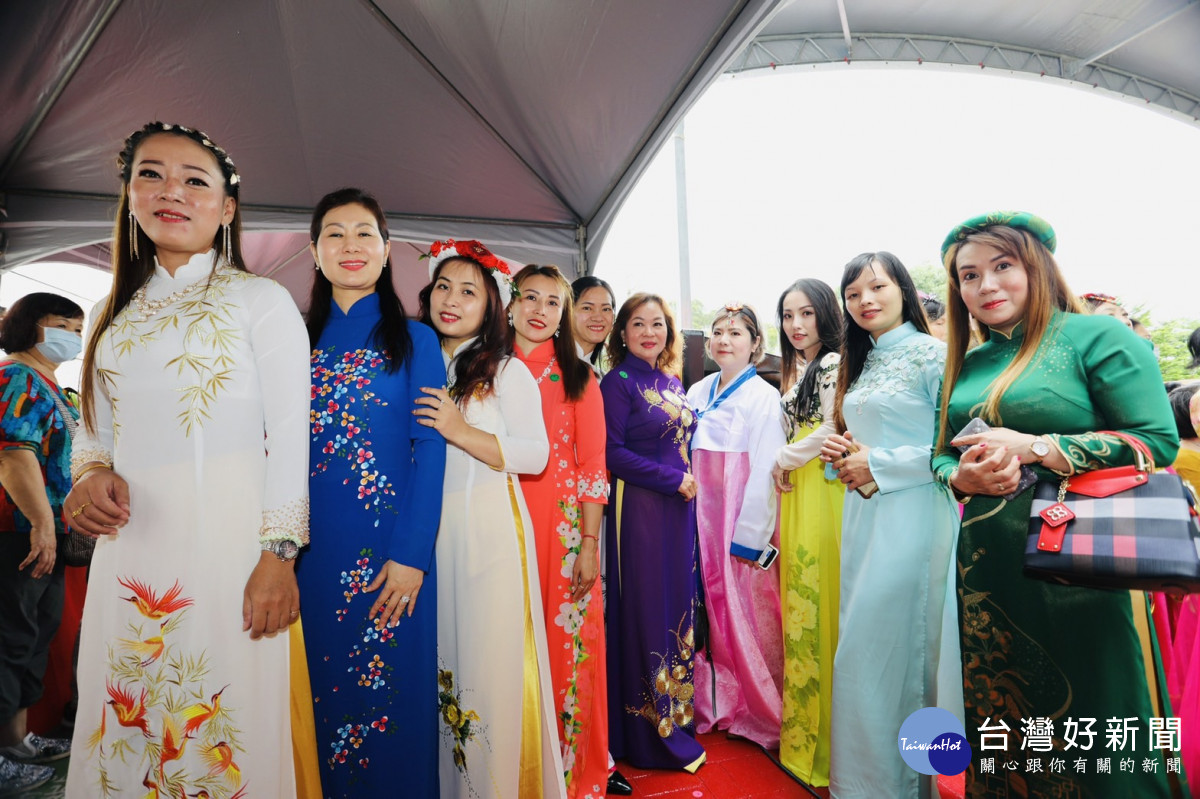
x,y
977,425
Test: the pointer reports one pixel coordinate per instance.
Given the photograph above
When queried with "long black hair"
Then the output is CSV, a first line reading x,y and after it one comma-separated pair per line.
x,y
807,404
1193,345
857,340
575,372
476,366
578,287
1181,402
133,252
390,334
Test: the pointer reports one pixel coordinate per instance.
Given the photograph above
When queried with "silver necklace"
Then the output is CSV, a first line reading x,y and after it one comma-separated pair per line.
x,y
546,371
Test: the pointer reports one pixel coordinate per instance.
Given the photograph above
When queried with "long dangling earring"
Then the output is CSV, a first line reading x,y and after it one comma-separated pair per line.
x,y
228,245
133,237
556,331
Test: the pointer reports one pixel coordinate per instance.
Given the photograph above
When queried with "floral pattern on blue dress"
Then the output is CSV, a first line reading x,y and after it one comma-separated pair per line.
x,y
344,381
375,480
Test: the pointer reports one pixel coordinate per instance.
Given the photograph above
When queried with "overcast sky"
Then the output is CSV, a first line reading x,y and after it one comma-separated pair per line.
x,y
791,174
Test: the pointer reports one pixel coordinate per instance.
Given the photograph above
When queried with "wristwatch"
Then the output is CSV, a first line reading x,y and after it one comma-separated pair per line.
x,y
285,549
1040,447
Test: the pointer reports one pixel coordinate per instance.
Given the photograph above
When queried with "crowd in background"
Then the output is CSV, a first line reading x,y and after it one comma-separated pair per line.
x,y
495,546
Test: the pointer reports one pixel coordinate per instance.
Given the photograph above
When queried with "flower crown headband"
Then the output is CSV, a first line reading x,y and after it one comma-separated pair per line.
x,y
228,169
472,250
733,309
1098,297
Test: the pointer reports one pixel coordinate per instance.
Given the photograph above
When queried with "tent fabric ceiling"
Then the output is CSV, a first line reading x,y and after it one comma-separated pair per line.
x,y
519,122
1146,49
524,123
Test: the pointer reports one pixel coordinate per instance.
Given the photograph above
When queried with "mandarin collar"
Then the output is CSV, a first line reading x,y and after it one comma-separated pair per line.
x,y
637,364
894,337
1016,334
448,358
363,306
197,267
542,353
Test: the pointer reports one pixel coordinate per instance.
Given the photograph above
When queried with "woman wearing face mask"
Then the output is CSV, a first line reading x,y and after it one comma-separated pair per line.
x,y
651,545
192,468
810,524
1049,379
499,735
566,503
37,422
376,490
592,321
897,544
738,432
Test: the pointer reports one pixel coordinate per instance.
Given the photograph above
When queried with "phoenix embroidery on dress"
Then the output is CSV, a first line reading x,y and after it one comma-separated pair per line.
x,y
167,715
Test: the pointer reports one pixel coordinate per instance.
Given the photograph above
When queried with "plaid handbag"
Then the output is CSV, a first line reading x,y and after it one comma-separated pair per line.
x,y
1127,527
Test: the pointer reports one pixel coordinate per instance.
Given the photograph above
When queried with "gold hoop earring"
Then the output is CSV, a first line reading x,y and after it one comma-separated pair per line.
x,y
133,231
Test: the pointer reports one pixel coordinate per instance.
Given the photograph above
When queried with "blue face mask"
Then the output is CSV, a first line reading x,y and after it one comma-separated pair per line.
x,y
60,345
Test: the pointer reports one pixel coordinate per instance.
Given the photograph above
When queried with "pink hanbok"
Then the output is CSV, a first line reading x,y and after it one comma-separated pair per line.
x,y
739,679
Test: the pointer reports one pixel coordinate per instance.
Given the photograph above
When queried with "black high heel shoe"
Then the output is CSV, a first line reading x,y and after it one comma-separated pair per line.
x,y
618,785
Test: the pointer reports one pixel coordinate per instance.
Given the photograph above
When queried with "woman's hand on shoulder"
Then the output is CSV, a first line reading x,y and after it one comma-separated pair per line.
x,y
99,503
398,586
986,470
439,411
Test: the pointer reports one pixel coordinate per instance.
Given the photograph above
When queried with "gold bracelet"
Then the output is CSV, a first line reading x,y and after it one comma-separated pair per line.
x,y
83,472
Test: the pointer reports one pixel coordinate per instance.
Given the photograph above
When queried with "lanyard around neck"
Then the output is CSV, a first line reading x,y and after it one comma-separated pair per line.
x,y
714,402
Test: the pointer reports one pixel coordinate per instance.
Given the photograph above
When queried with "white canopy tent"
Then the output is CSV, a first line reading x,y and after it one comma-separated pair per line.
x,y
524,123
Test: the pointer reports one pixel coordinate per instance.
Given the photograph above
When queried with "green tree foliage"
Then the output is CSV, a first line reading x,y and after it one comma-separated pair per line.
x,y
1170,339
931,279
702,319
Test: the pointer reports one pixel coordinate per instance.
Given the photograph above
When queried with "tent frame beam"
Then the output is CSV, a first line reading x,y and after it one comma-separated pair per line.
x,y
813,49
70,65
305,213
446,84
1142,30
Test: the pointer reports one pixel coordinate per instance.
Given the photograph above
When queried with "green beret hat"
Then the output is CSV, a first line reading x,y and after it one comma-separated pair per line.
x,y
977,224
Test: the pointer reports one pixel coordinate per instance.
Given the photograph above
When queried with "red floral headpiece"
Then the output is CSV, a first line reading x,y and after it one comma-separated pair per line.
x,y
472,250
1098,297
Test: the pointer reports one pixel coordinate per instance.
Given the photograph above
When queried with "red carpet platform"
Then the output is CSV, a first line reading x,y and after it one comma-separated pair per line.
x,y
737,769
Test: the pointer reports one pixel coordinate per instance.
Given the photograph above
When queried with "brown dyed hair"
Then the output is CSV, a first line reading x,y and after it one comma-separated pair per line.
x,y
1048,292
670,359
